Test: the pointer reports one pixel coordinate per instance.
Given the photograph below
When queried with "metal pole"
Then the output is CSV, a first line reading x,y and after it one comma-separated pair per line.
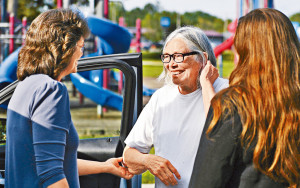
x,y
3,10
138,35
120,83
24,23
105,71
241,8
265,3
59,3
11,32
255,4
271,4
106,8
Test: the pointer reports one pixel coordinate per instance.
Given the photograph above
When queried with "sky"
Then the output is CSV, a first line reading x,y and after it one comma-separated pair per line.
x,y
225,9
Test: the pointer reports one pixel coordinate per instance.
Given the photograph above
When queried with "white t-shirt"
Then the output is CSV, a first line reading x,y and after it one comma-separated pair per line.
x,y
173,124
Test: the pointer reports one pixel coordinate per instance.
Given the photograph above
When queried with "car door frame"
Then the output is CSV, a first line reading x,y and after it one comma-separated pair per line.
x,y
131,66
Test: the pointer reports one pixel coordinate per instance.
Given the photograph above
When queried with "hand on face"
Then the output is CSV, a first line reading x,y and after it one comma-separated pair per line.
x,y
209,74
117,169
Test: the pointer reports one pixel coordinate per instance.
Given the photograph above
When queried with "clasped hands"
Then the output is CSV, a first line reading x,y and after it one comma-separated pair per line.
x,y
118,169
158,166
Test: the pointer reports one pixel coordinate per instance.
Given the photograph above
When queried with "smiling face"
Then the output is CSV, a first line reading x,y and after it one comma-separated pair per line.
x,y
184,74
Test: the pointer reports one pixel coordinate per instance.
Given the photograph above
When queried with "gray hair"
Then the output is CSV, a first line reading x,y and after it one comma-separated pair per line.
x,y
196,40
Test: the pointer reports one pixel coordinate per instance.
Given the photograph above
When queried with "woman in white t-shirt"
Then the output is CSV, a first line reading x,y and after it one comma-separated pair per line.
x,y
173,120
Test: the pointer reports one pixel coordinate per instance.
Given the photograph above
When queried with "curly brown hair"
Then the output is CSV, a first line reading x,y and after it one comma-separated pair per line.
x,y
265,89
50,43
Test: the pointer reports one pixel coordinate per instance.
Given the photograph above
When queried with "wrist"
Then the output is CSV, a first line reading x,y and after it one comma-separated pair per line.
x,y
106,167
145,161
205,83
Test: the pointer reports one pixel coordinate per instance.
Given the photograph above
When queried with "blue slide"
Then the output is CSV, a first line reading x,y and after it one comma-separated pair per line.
x,y
8,69
112,39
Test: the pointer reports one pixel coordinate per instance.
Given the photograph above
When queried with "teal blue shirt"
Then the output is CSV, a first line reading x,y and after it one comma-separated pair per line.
x,y
42,142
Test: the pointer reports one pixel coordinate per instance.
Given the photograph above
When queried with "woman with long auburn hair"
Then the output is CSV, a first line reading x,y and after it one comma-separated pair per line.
x,y
252,129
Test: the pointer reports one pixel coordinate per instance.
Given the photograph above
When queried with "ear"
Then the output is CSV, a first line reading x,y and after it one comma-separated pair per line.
x,y
206,55
206,58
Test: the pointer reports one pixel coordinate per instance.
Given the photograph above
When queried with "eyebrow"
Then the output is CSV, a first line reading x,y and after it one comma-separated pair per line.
x,y
175,53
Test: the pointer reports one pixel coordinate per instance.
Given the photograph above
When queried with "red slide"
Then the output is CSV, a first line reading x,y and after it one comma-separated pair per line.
x,y
226,45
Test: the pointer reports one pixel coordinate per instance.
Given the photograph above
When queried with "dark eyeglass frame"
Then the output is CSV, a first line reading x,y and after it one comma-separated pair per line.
x,y
172,56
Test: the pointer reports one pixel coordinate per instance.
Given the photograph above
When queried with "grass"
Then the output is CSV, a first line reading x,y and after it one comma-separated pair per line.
x,y
154,68
228,67
152,71
147,177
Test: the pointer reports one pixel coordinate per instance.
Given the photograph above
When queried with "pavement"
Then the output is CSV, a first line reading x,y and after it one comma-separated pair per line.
x,y
148,185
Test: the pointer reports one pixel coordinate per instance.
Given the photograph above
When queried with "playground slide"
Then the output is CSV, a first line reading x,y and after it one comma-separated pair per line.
x,y
226,45
8,69
113,39
97,94
146,91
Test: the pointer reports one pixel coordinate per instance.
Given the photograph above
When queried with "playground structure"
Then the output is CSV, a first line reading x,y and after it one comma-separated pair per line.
x,y
110,39
106,43
243,7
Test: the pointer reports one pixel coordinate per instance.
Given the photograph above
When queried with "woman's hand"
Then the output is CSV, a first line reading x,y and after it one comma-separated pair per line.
x,y
208,77
117,169
163,169
209,74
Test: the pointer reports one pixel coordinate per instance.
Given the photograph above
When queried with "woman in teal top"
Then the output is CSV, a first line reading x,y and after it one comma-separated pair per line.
x,y
42,142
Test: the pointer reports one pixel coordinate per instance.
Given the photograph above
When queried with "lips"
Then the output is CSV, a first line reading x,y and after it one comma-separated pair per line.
x,y
174,73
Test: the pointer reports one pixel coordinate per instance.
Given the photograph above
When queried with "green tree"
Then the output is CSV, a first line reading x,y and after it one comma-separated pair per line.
x,y
116,10
203,20
150,8
32,8
295,17
152,23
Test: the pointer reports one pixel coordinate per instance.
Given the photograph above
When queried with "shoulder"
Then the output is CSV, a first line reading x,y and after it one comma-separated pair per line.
x,y
229,122
43,88
38,81
220,83
43,84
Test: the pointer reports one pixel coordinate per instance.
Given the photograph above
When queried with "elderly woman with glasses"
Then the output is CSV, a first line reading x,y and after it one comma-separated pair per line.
x,y
173,120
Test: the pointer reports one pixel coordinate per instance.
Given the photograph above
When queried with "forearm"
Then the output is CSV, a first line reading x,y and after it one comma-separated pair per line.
x,y
86,167
135,160
208,92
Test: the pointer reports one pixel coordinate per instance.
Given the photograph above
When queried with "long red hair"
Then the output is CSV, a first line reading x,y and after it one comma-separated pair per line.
x,y
265,90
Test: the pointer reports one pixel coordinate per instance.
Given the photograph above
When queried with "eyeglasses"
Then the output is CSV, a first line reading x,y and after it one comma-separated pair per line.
x,y
177,57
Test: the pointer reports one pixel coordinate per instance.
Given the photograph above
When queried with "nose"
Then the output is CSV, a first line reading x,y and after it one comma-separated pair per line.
x,y
173,63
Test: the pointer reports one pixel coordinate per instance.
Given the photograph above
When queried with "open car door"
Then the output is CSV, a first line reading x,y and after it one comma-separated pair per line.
x,y
101,149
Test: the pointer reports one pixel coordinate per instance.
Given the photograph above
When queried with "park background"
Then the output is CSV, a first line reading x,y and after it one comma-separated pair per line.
x,y
153,33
